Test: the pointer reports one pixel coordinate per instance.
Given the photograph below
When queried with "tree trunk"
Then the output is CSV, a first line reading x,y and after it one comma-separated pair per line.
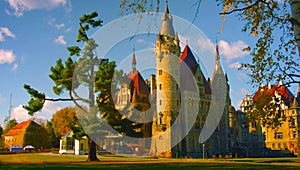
x,y
295,8
92,148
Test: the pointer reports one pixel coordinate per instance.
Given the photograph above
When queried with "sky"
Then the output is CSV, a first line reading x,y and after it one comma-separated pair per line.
x,y
34,34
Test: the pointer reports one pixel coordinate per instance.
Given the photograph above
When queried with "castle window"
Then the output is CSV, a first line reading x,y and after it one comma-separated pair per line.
x,y
278,135
294,134
244,136
160,86
284,145
160,102
255,136
160,72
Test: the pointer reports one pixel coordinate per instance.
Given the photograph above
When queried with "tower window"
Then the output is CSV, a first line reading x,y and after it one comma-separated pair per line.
x,y
278,135
160,86
160,102
160,72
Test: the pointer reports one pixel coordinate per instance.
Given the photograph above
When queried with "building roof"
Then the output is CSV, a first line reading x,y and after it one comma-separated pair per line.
x,y
189,64
16,130
188,58
278,89
138,82
167,23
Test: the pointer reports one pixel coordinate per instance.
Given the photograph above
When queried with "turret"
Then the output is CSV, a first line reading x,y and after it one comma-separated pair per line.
x,y
133,62
167,23
218,68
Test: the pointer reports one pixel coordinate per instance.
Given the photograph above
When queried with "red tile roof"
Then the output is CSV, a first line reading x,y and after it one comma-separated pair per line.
x,y
138,82
17,129
283,91
189,64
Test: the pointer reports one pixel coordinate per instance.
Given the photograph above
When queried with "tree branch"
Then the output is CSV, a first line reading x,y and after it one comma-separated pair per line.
x,y
240,9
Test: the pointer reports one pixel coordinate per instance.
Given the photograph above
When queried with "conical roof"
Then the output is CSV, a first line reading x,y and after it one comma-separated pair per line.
x,y
188,58
167,23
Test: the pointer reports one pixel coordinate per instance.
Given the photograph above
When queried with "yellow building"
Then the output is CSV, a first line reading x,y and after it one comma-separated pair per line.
x,y
27,133
285,137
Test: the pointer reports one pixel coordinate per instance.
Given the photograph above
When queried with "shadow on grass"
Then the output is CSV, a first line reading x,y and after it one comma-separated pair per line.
x,y
109,165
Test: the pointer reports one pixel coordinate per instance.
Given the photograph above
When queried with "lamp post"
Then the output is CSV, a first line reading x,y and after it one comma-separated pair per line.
x,y
203,148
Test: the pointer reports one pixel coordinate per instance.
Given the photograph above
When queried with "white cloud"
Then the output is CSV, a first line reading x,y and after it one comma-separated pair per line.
x,y
142,41
51,21
4,31
7,56
20,114
39,119
244,91
15,67
235,65
60,40
183,40
233,50
51,107
242,76
59,26
21,6
69,29
205,44
2,99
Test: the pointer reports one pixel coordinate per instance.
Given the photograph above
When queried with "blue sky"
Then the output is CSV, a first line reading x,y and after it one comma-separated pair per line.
x,y
34,34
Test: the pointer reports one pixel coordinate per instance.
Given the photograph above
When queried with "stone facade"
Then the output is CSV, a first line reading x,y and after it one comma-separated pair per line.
x,y
178,89
176,98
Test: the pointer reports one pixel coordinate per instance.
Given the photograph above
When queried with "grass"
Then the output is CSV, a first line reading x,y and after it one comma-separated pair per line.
x,y
51,161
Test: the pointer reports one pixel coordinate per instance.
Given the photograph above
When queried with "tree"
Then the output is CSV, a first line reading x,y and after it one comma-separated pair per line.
x,y
64,79
1,131
273,57
54,139
11,123
61,121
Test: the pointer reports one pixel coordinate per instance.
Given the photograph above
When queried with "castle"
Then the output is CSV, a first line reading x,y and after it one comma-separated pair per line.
x,y
178,89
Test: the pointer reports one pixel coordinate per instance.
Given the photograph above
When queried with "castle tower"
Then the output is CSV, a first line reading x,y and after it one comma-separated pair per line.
x,y
221,87
167,52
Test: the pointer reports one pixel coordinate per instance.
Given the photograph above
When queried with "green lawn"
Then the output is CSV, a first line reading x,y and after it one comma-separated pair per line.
x,y
49,161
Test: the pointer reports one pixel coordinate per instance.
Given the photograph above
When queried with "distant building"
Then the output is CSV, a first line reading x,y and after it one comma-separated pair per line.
x,y
284,138
27,133
247,139
69,145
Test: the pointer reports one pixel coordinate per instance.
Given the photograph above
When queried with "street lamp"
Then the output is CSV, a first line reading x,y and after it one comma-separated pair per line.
x,y
203,147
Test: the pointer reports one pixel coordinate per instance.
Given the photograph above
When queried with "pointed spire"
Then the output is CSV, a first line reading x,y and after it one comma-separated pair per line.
x,y
218,68
167,23
298,93
167,7
133,62
176,36
217,51
295,103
